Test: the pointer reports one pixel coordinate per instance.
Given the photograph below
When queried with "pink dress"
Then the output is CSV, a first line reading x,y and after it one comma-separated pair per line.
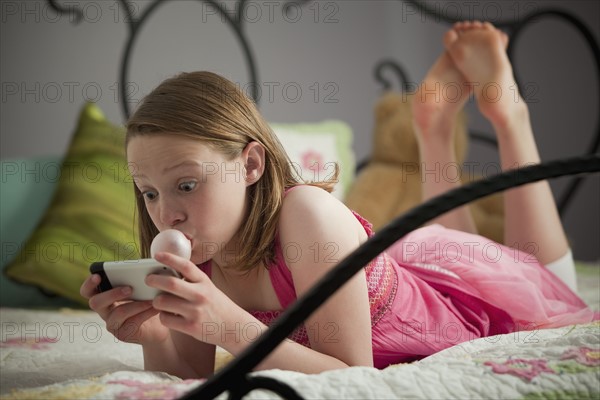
x,y
439,287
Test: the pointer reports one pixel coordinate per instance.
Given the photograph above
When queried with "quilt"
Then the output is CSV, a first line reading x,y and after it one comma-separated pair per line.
x,y
68,354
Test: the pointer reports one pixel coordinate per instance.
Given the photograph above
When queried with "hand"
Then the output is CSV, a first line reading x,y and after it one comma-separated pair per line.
x,y
193,305
129,321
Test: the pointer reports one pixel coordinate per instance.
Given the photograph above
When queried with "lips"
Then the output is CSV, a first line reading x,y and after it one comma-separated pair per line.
x,y
188,237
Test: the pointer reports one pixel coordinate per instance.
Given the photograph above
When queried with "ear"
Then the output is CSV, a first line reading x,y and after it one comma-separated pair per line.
x,y
254,162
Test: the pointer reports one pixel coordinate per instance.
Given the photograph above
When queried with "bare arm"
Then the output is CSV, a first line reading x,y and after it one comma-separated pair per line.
x,y
137,322
341,328
181,355
339,332
289,355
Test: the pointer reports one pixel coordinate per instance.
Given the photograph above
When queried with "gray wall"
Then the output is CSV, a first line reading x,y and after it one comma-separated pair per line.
x,y
50,66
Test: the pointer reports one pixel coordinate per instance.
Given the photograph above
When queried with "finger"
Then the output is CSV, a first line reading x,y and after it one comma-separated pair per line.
x,y
104,300
142,317
129,329
89,287
122,313
176,288
176,322
172,304
188,270
169,284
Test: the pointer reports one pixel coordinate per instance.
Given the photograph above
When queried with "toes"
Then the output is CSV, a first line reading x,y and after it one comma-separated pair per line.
x,y
450,37
477,25
504,39
468,25
488,25
461,25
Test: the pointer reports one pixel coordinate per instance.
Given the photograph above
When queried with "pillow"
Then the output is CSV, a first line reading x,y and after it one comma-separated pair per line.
x,y
314,148
26,184
90,217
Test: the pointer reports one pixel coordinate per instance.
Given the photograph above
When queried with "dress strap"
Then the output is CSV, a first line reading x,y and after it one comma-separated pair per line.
x,y
281,277
279,272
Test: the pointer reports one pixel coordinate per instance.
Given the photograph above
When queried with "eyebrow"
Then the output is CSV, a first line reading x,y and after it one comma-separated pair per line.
x,y
186,163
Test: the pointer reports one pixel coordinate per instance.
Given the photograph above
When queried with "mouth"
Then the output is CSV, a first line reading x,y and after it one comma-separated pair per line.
x,y
188,237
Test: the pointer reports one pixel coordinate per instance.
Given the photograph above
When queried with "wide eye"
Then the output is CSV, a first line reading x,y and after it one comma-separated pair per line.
x,y
187,186
149,196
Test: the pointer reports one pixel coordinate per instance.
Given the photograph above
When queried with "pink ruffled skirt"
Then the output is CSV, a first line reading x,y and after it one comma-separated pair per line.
x,y
454,286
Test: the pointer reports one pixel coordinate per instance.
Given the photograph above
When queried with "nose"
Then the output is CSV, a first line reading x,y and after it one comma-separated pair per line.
x,y
171,213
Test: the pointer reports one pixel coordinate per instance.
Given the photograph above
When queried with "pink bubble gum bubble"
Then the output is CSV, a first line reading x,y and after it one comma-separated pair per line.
x,y
171,241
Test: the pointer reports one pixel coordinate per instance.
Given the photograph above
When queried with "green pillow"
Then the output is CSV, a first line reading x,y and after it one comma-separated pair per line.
x,y
91,216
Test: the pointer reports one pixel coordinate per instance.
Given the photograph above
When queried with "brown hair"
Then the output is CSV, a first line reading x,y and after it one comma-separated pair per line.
x,y
207,107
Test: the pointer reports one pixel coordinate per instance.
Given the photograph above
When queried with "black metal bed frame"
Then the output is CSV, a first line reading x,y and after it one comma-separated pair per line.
x,y
235,377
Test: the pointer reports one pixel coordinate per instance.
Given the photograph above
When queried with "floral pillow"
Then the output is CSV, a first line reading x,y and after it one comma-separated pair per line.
x,y
315,148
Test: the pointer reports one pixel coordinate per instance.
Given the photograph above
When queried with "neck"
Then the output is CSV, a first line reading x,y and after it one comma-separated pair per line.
x,y
234,274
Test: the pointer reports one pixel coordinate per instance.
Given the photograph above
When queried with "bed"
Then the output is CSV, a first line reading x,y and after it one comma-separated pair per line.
x,y
67,354
54,347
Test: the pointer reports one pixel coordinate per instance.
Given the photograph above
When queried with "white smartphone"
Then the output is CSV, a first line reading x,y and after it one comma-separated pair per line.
x,y
131,273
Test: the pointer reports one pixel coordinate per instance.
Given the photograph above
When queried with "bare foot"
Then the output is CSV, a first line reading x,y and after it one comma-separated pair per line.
x,y
439,98
435,109
479,52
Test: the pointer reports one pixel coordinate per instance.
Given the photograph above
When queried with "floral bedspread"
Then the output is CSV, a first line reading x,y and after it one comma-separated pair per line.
x,y
68,354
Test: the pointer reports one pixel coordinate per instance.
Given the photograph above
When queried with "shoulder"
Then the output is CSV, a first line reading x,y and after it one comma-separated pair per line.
x,y
311,215
308,199
317,231
306,205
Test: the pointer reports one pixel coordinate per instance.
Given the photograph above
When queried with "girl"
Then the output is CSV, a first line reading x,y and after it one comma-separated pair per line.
x,y
205,162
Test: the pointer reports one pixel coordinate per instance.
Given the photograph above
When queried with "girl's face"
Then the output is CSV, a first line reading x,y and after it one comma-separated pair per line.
x,y
193,188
